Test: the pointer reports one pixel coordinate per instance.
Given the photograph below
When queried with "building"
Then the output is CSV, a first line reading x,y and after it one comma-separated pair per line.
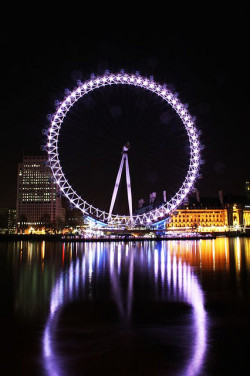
x,y
38,200
204,220
200,214
205,214
11,221
225,213
246,212
247,191
7,220
246,216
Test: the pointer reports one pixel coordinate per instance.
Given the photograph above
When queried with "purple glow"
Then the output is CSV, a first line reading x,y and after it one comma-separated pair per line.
x,y
176,276
142,82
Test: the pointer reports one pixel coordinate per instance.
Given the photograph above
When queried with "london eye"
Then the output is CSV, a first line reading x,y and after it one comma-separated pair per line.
x,y
68,112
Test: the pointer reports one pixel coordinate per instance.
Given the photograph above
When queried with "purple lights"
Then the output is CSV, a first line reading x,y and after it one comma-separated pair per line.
x,y
173,279
144,83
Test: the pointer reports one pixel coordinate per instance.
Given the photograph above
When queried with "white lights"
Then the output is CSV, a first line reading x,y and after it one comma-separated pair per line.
x,y
146,84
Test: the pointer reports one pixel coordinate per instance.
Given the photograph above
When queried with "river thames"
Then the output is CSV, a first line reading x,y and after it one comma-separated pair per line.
x,y
125,308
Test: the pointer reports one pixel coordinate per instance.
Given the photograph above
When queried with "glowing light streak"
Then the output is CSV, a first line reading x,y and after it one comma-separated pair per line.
x,y
184,286
213,250
238,255
226,252
162,265
156,264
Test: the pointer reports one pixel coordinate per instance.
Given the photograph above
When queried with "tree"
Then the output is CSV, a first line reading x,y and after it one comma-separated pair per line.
x,y
23,222
46,222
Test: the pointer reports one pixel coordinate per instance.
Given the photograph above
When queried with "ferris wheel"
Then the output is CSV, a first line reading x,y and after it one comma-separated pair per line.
x,y
158,213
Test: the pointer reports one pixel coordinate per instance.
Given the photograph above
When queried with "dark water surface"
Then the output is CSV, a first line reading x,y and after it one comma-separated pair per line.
x,y
152,308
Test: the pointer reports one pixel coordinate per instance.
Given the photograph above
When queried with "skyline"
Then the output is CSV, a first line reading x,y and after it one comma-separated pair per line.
x,y
211,76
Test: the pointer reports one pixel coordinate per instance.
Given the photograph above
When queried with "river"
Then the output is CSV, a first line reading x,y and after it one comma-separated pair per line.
x,y
177,307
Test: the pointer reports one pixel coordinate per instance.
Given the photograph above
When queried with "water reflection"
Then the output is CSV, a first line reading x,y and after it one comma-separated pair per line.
x,y
37,264
174,279
138,307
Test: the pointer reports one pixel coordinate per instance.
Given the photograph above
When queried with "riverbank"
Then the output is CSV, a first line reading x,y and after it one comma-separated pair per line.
x,y
93,239
77,238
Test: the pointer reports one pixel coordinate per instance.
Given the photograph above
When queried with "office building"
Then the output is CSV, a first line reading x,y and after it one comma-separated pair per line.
x,y
38,199
7,221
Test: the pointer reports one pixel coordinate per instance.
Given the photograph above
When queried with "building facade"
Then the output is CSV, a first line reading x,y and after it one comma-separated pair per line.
x,y
211,215
206,220
7,221
38,199
246,216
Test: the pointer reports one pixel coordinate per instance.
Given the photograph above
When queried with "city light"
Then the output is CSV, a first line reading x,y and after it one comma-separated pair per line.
x,y
182,285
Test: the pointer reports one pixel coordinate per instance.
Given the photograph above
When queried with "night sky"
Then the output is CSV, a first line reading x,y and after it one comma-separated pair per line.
x,y
208,66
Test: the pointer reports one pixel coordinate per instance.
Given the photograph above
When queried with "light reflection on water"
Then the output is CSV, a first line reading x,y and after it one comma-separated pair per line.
x,y
48,277
176,276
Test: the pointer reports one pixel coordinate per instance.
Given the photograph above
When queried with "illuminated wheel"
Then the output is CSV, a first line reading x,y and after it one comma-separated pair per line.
x,y
94,83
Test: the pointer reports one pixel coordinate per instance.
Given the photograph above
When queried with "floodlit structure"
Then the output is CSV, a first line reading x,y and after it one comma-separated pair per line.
x,y
38,202
202,220
117,183
94,83
211,214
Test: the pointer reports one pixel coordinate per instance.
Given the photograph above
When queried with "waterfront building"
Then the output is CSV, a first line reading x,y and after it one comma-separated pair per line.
x,y
200,214
247,191
7,220
38,199
225,213
204,220
246,216
206,214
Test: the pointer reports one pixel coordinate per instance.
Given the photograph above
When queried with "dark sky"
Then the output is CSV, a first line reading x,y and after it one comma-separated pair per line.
x,y
207,65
